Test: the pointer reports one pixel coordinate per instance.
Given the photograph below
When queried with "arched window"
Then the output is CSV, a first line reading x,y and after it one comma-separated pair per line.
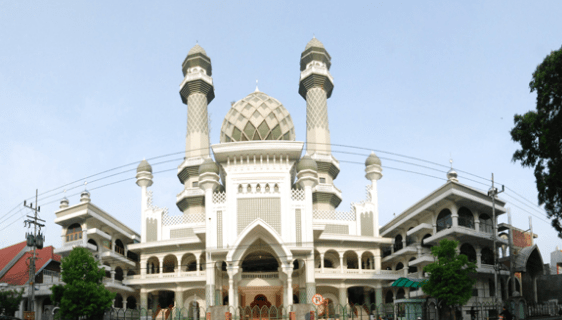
x,y
444,220
118,274
469,252
398,245
400,294
492,288
118,301
466,218
399,266
131,303
389,297
412,269
487,256
328,263
74,232
119,247
486,224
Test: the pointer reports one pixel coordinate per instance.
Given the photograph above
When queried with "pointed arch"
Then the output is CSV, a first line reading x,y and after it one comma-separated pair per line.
x,y
258,230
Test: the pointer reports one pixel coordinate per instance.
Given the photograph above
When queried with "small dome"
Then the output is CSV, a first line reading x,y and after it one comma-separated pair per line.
x,y
307,163
452,175
85,196
208,166
257,117
64,203
372,159
144,166
196,49
314,43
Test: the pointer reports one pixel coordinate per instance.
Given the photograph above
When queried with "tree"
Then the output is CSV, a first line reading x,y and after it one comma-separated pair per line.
x,y
10,301
83,293
539,133
451,277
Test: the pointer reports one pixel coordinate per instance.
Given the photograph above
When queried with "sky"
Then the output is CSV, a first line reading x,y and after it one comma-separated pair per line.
x,y
89,89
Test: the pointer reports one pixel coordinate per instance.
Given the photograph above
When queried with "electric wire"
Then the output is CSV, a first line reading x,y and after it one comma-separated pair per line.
x,y
335,151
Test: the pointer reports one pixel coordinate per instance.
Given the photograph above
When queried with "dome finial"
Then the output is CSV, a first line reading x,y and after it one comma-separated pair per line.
x,y
257,89
452,174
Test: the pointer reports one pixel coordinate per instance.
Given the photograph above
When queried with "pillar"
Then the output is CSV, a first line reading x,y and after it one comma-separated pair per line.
x,y
210,284
143,299
322,262
198,264
310,279
161,266
378,295
360,261
342,295
341,262
367,295
179,297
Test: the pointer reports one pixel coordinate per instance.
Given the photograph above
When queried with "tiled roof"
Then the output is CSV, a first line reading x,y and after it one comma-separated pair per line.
x,y
8,253
18,273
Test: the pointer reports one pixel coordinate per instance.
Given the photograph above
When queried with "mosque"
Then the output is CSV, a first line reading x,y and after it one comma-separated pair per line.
x,y
258,223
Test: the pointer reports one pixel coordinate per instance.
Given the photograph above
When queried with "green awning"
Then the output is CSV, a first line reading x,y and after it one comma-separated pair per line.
x,y
408,283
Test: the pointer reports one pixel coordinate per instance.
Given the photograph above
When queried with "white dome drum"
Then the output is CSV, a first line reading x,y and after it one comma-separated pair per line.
x,y
257,117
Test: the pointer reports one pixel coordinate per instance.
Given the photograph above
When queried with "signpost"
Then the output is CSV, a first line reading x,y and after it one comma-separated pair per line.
x,y
317,299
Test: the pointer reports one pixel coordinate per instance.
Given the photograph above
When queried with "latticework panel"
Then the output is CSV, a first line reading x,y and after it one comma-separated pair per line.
x,y
297,194
183,219
181,233
334,215
367,224
219,197
266,209
336,229
368,193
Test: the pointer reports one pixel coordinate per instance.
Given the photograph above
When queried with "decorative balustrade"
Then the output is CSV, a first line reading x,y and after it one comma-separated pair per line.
x,y
260,275
198,217
334,215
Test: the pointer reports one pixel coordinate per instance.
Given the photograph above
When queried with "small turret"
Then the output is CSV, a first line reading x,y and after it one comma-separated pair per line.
x,y
64,203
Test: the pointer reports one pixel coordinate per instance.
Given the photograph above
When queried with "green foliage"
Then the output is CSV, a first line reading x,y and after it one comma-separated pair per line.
x,y
451,277
539,133
10,301
83,293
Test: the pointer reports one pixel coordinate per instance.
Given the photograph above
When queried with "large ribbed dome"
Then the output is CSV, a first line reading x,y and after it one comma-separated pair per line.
x,y
257,117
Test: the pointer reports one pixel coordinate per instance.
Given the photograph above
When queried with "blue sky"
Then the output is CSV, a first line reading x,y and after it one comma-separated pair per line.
x,y
90,86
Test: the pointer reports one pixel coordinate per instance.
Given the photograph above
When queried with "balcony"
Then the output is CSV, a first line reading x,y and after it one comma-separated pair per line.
x,y
364,274
67,246
461,233
420,230
116,284
409,250
112,255
183,276
260,275
422,261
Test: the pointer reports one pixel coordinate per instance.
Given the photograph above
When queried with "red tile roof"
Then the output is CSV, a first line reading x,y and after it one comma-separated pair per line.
x,y
18,273
8,253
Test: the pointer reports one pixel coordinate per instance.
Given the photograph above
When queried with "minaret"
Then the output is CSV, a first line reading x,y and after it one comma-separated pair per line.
x,y
373,172
197,91
315,86
144,180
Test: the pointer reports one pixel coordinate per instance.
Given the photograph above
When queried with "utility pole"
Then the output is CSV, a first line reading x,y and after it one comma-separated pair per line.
x,y
493,192
35,241
511,253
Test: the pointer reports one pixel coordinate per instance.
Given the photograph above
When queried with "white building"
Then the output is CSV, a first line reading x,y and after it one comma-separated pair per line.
x,y
258,222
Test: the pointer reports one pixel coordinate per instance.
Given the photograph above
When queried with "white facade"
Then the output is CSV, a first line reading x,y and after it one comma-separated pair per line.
x,y
258,223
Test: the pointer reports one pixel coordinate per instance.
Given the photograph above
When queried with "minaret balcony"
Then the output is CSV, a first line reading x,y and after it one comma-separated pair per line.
x,y
189,197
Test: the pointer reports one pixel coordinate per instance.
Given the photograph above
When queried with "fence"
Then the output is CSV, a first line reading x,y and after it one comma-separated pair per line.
x,y
389,311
